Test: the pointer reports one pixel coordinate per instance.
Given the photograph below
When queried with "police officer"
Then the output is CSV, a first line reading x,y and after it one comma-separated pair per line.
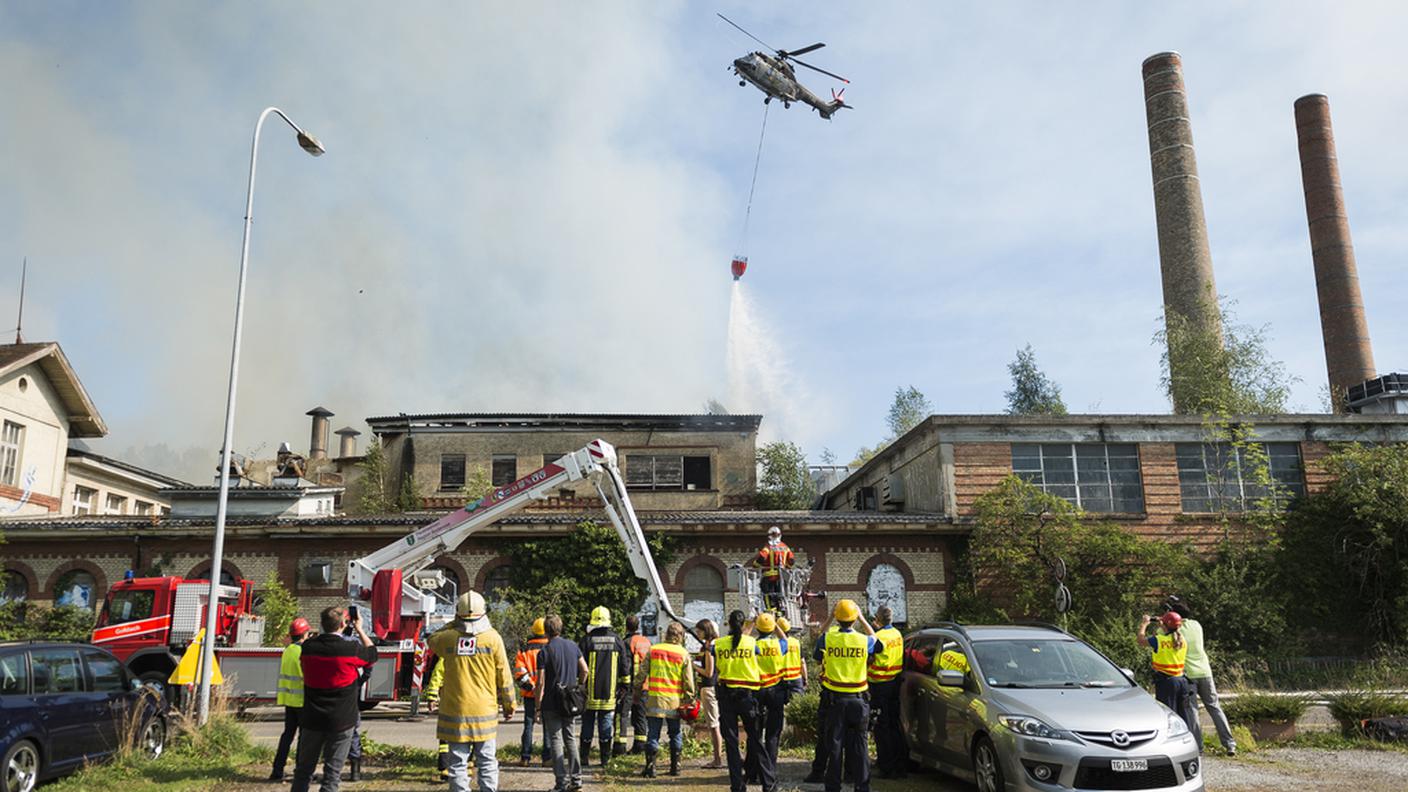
x,y
736,657
883,676
844,656
794,671
773,692
290,695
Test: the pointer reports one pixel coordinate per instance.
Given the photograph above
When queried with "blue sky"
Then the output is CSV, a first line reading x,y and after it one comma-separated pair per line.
x,y
532,206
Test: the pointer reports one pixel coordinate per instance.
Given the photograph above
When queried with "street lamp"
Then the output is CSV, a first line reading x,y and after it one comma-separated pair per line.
x,y
311,145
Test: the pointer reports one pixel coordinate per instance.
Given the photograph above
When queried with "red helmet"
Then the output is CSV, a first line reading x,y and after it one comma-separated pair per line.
x,y
689,712
299,627
1171,621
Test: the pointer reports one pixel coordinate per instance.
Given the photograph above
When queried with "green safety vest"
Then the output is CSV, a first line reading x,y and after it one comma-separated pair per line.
x,y
291,677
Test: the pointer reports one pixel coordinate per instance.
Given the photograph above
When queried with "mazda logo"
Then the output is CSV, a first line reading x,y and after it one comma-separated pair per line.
x,y
1119,738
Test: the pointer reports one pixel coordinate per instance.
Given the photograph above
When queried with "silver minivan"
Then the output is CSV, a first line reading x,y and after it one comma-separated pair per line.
x,y
1037,709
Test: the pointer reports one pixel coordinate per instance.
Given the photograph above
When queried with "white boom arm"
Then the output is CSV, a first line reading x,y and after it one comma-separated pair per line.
x,y
415,551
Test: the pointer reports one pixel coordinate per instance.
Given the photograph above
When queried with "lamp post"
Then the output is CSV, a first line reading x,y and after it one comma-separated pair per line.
x,y
311,145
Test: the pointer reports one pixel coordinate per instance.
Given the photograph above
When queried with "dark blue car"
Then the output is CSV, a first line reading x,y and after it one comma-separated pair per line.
x,y
62,705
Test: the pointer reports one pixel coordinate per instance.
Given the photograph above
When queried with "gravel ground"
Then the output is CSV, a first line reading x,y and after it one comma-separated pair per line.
x,y
1306,768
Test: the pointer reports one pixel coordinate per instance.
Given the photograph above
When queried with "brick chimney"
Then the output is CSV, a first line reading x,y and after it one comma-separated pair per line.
x,y
1349,355
318,445
1184,256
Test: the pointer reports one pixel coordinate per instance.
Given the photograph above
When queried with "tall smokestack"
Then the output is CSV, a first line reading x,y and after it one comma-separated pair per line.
x,y
318,444
1185,259
348,445
1349,356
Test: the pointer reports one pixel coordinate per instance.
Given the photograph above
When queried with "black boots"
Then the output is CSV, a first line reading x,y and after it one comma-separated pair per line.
x,y
605,753
638,747
584,747
354,772
674,761
649,771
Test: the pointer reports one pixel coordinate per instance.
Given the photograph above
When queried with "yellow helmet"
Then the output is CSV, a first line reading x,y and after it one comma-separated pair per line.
x,y
601,617
766,624
539,629
784,624
846,611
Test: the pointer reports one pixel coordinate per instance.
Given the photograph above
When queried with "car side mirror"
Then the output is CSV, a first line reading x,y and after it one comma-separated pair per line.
x,y
951,678
1129,674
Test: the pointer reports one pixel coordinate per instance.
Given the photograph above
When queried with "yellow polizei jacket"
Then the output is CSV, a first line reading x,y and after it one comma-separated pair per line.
x,y
476,682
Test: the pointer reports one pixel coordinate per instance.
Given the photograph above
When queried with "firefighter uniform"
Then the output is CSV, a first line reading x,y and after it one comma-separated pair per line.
x,y
772,559
739,680
667,681
773,692
477,687
525,675
844,656
883,676
608,674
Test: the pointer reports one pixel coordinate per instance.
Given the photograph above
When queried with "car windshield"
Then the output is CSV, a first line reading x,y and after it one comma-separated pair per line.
x,y
1045,663
128,606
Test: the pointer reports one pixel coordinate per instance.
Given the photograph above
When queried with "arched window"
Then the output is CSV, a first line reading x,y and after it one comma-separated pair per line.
x,y
226,577
76,587
13,587
446,595
886,587
496,583
704,594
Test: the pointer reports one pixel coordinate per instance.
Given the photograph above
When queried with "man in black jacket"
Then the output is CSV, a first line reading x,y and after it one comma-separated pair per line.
x,y
608,676
331,678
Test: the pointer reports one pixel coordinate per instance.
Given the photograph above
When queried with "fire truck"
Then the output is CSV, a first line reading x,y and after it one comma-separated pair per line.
x,y
149,622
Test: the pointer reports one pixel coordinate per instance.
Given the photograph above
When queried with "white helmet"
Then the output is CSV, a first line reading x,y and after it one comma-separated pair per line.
x,y
774,532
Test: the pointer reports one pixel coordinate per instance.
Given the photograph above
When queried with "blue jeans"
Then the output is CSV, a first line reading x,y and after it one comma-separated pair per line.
x,y
485,761
652,743
603,720
530,716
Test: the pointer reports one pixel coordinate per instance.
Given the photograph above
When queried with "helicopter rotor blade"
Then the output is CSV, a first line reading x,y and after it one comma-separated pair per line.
x,y
744,32
823,71
802,51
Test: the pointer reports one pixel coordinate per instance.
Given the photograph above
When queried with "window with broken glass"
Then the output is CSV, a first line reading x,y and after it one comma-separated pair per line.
x,y
1097,477
1218,477
668,472
451,471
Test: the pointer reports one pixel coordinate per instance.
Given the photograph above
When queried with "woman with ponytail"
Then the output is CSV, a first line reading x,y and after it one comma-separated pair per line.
x,y
740,677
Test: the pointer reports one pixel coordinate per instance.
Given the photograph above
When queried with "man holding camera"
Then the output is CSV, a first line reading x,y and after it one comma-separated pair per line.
x,y
332,669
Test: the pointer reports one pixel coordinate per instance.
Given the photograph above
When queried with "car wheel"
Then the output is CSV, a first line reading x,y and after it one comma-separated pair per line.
x,y
987,770
21,767
154,737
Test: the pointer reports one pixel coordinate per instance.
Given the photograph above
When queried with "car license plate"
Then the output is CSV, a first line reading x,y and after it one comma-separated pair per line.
x,y
1129,765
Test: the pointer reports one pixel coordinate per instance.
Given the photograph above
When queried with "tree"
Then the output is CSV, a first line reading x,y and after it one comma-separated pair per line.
x,y
1231,373
375,495
408,499
1345,550
783,479
908,410
278,606
586,568
477,485
1033,393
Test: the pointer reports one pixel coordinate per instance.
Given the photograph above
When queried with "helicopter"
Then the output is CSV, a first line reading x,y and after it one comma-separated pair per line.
x,y
774,76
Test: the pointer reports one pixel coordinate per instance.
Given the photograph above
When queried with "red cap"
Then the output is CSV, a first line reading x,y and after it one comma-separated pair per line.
x,y
1171,620
299,627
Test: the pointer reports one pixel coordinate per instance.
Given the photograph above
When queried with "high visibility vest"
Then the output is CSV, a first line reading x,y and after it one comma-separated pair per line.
x,y
525,666
772,662
792,664
844,662
667,668
954,661
773,558
890,661
291,677
1168,660
738,664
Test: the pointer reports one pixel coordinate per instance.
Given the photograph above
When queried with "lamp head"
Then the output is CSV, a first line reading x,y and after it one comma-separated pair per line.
x,y
310,144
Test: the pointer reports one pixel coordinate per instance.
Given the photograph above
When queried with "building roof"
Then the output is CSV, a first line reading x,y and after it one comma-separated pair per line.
x,y
84,420
157,479
489,422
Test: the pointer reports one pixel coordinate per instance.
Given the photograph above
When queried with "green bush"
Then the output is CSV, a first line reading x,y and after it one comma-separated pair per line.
x,y
801,717
1249,708
1353,707
23,621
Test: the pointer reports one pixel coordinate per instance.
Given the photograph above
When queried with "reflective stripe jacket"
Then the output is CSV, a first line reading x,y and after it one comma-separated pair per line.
x,y
772,661
773,558
291,677
608,668
738,664
887,665
668,680
525,666
792,668
844,657
477,683
1167,659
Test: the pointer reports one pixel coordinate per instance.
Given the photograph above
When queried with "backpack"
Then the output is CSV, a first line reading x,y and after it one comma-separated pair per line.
x,y
1390,729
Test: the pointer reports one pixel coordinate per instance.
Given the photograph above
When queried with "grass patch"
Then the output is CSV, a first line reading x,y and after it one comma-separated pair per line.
x,y
1254,706
195,761
1353,707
